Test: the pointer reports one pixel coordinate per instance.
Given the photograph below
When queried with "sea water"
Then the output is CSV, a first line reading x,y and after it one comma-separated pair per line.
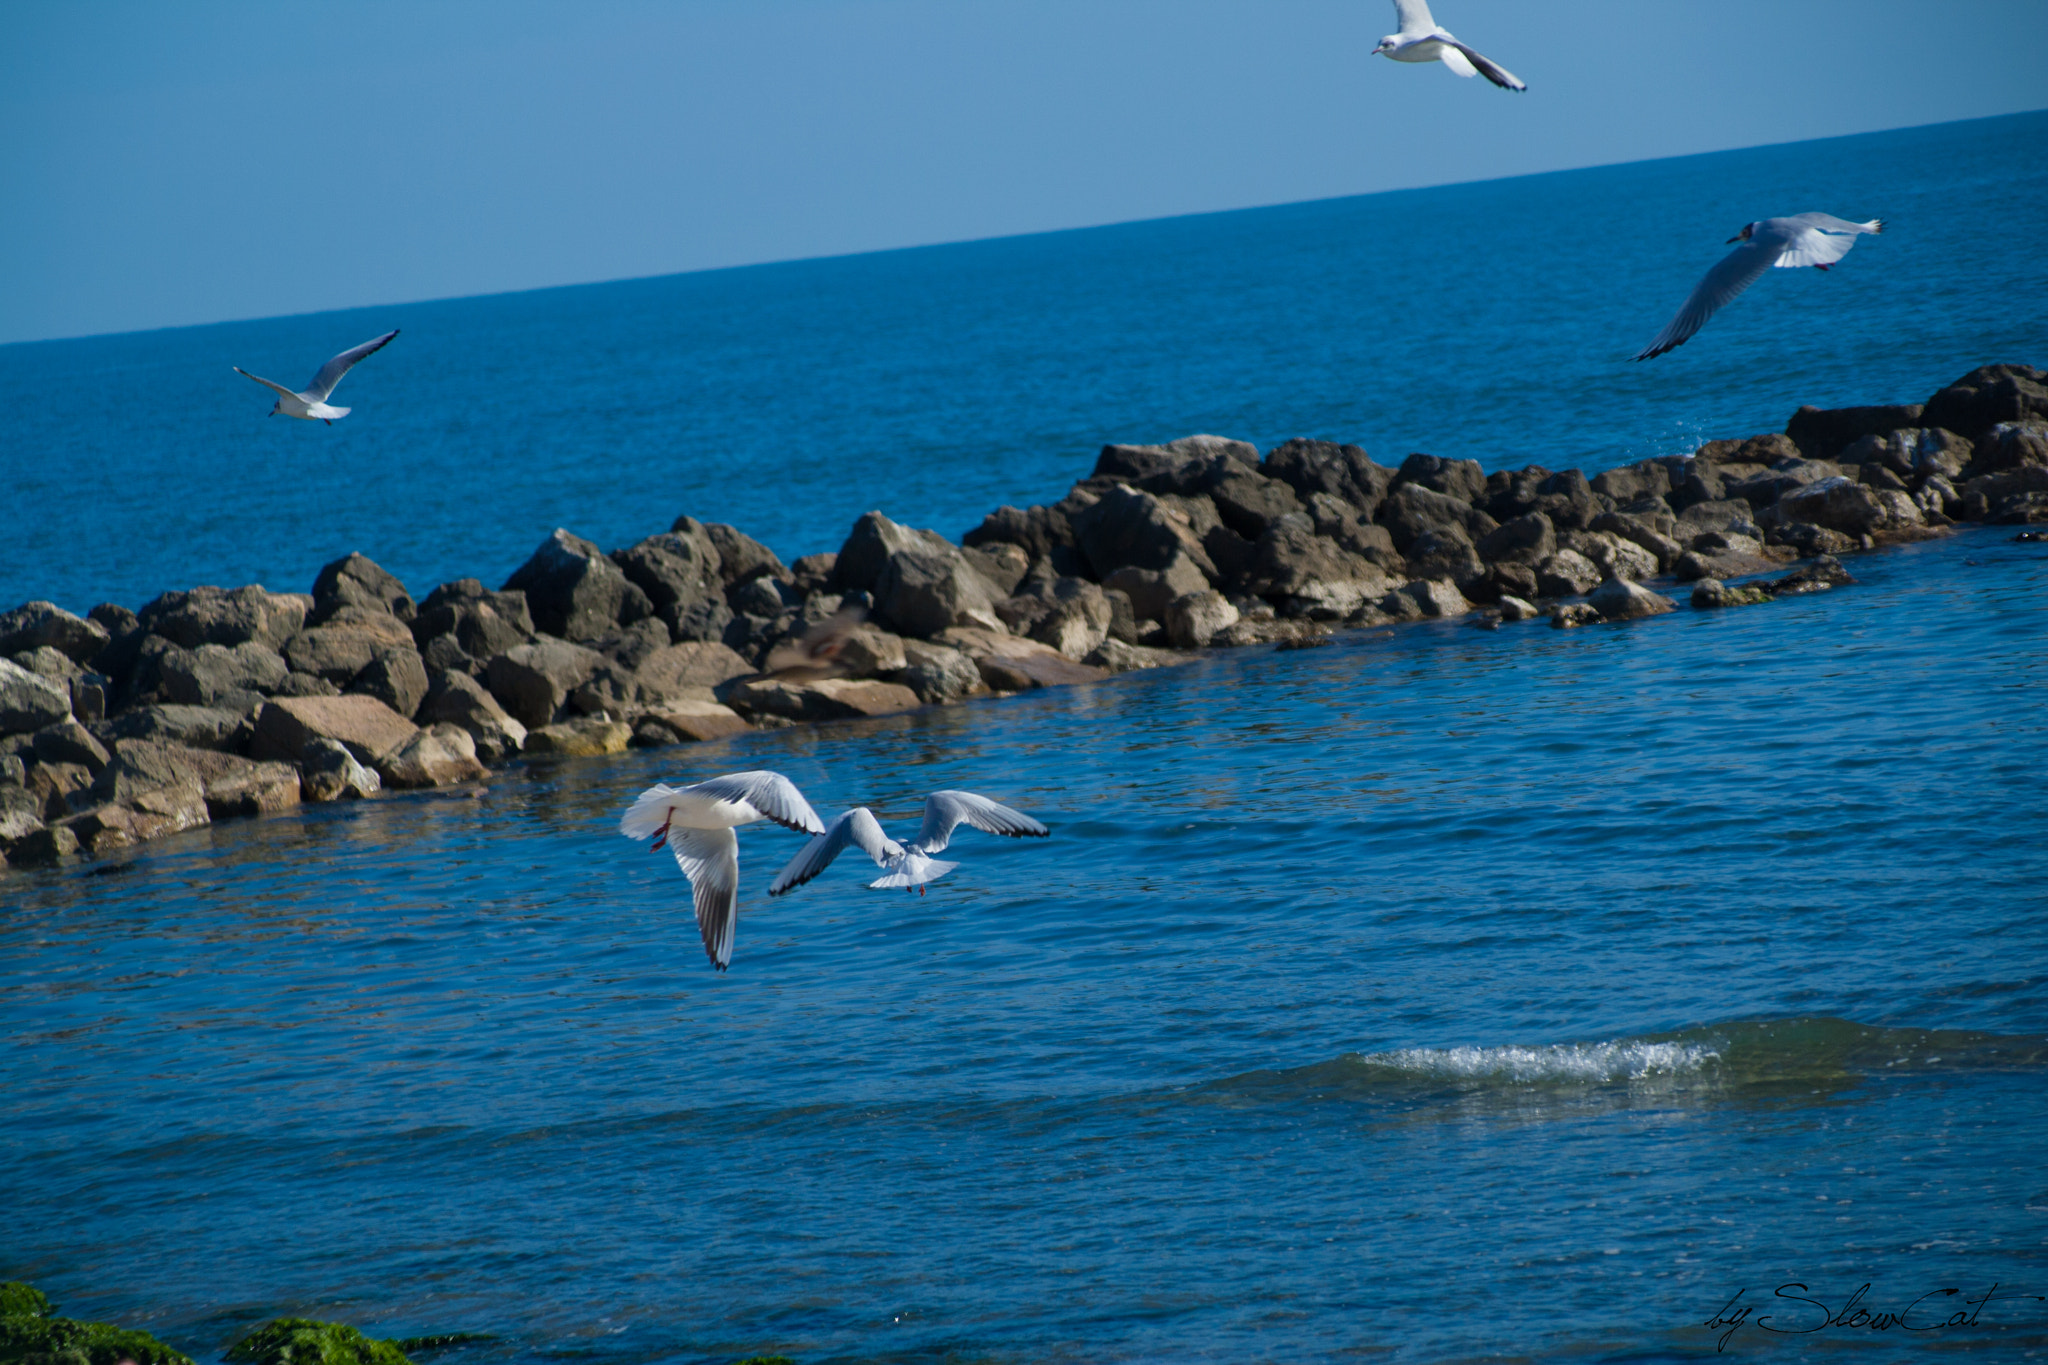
x,y
1441,993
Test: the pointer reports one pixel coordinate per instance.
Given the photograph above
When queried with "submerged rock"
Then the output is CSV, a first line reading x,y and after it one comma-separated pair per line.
x,y
302,1341
1618,599
31,1333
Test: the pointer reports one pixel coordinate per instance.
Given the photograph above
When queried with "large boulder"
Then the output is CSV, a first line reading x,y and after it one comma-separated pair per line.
x,y
533,680
573,591
209,616
1823,433
688,671
1652,532
1038,531
1194,620
820,699
234,785
355,581
1305,574
1459,479
1986,397
1837,503
481,624
1728,514
1191,464
868,547
740,556
2008,446
458,699
69,742
1248,503
937,673
192,727
1616,557
1766,487
924,591
581,737
1128,528
1425,599
338,651
1566,574
440,755
1004,566
287,725
1445,552
1412,508
219,675
1569,500
675,569
396,677
157,783
687,721
1632,483
1527,539
29,701
45,625
1344,472
329,772
1617,599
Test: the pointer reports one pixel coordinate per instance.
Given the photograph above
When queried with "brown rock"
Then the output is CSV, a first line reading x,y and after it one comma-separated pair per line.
x,y
458,699
100,830
329,772
533,680
35,625
367,727
822,699
345,647
438,756
687,719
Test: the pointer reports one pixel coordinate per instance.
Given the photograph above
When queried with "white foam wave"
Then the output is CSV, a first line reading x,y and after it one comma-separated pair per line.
x,y
1582,1062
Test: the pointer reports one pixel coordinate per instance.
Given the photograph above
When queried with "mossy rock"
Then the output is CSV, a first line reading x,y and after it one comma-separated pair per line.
x,y
766,1360
18,1300
301,1341
32,1340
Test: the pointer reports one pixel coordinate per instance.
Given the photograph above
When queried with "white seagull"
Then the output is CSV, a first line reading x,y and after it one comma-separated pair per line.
x,y
913,866
1420,40
697,824
1815,239
311,404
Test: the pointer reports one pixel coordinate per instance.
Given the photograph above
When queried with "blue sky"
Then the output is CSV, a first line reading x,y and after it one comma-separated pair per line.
x,y
173,164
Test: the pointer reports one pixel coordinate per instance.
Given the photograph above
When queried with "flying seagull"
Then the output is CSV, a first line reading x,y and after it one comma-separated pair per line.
x,y
1815,239
913,866
697,824
1420,40
312,403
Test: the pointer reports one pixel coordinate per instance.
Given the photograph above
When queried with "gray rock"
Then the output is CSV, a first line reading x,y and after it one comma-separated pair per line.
x,y
572,590
115,619
1836,503
1425,599
46,662
69,742
1193,620
1566,574
1643,479
1571,615
440,755
236,786
1527,539
923,592
1824,573
1569,500
1787,476
1516,609
866,551
1643,531
1617,599
45,625
1822,433
1003,565
192,727
305,685
286,727
1512,493
356,581
209,616
676,569
740,556
1190,464
329,772
702,621
688,671
1127,528
1986,397
220,675
161,787
1077,617
1248,503
868,651
2009,446
763,596
29,701
1729,515
1461,480
1411,508
481,623
396,677
1343,472
1615,557
937,673
1038,531
1445,552
458,699
533,680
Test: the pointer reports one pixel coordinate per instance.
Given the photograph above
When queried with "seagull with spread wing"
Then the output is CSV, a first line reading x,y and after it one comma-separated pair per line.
x,y
911,867
311,403
697,823
1420,40
1815,239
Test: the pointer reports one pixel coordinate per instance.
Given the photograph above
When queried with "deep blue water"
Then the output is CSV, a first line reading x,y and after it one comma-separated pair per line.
x,y
1490,321
1442,994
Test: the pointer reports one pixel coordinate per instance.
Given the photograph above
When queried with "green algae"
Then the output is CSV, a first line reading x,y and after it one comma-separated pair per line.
x,y
32,1334
302,1341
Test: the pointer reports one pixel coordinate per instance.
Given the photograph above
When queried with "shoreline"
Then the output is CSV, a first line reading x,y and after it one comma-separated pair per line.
x,y
124,726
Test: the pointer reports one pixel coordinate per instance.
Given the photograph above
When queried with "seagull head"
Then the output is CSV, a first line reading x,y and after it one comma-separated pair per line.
x,y
1743,236
1387,44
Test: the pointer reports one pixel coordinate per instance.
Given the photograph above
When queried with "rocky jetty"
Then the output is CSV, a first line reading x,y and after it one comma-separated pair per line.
x,y
121,726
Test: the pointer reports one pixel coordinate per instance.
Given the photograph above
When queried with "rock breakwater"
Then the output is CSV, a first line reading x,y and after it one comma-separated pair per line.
x,y
124,725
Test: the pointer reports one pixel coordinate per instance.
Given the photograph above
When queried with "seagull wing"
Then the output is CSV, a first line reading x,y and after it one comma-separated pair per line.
x,y
710,858
772,794
266,383
856,827
946,811
1827,222
331,373
1821,239
1737,271
1493,71
1413,16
